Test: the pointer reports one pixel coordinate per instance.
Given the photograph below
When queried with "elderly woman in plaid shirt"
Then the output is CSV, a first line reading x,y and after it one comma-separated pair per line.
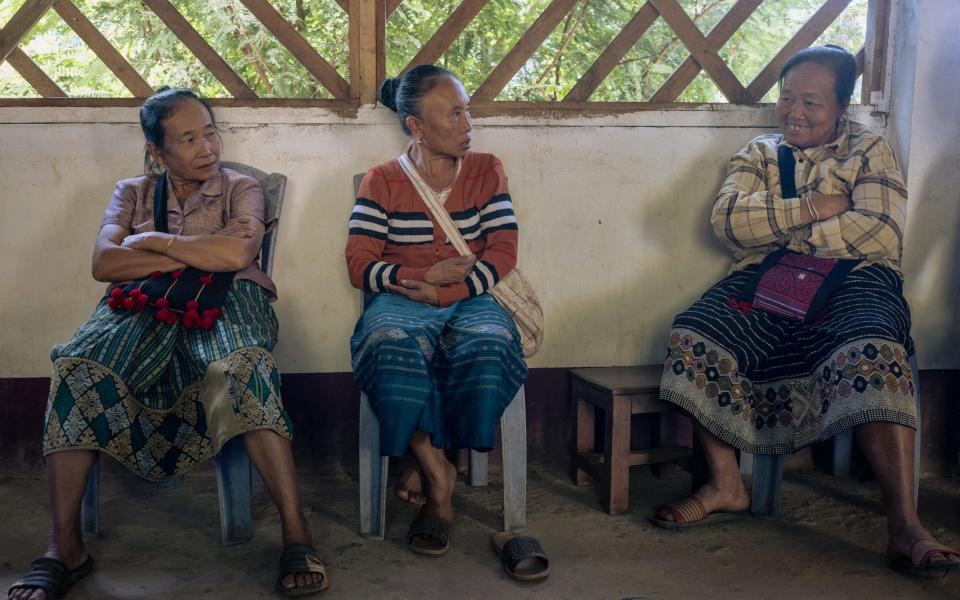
x,y
764,383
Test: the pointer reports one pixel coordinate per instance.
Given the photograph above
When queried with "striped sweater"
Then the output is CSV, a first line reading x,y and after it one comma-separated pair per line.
x,y
394,237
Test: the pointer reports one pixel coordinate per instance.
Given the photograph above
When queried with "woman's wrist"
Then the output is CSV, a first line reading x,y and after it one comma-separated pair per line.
x,y
170,240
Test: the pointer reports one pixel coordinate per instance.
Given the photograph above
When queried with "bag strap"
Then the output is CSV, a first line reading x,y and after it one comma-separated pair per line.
x,y
160,204
786,164
433,203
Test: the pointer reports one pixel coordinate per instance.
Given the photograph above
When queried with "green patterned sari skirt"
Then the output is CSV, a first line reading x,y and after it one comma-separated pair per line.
x,y
162,399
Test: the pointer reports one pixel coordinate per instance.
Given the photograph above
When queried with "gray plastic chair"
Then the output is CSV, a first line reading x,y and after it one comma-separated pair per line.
x,y
373,467
768,468
233,465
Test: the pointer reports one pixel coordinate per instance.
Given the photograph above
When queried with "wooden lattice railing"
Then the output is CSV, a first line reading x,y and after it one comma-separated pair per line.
x,y
368,50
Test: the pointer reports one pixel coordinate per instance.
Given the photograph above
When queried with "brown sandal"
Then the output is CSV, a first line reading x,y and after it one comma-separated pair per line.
x,y
918,563
690,512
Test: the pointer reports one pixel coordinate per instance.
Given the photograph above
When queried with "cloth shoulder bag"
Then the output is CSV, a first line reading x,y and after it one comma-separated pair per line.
x,y
789,283
513,292
191,294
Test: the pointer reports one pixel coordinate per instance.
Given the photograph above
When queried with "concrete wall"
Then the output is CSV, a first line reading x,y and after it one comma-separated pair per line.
x,y
613,211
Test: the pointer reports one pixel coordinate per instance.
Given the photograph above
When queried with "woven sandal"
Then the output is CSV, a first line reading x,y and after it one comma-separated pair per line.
x,y
689,513
429,534
51,576
301,558
522,556
918,563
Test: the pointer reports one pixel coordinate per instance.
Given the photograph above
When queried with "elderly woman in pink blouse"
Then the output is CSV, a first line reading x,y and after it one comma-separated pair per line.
x,y
162,391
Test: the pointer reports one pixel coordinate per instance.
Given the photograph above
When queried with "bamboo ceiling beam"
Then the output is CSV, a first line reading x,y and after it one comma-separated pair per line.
x,y
808,34
301,50
524,49
701,50
718,36
34,75
105,51
613,54
20,24
444,37
200,48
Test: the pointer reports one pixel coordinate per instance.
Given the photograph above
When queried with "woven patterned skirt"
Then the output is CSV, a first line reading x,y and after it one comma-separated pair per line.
x,y
449,372
162,399
770,385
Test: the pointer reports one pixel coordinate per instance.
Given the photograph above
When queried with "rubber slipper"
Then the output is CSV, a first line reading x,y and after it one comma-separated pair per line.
x,y
301,558
918,563
689,513
429,535
51,576
522,556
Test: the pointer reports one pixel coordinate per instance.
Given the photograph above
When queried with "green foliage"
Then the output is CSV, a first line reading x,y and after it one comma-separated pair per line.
x,y
271,71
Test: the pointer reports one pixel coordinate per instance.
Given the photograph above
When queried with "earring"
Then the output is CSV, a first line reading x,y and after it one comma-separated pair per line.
x,y
420,141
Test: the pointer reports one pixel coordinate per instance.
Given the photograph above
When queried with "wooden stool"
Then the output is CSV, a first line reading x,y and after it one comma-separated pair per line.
x,y
619,392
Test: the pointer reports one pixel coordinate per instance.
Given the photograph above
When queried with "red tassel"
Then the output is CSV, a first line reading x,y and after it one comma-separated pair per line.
x,y
116,293
162,315
177,274
171,318
156,274
162,303
129,303
135,292
114,303
737,304
206,323
193,305
206,279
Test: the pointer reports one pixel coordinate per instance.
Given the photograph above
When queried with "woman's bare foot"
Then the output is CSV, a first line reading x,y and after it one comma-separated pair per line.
x,y
728,495
298,532
905,535
72,554
439,491
408,483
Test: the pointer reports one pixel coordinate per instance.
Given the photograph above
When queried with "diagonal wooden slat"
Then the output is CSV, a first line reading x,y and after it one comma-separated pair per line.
x,y
35,76
20,23
808,34
447,33
859,57
92,37
392,5
613,54
875,51
524,49
701,50
200,48
718,36
345,5
299,47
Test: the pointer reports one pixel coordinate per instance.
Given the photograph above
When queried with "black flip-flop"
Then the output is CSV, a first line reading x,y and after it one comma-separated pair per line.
x,y
522,556
429,535
301,558
51,576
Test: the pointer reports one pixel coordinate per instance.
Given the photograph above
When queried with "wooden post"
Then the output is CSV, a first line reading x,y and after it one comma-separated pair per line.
x,y
363,50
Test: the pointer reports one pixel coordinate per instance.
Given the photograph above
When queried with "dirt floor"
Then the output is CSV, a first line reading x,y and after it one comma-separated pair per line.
x,y
164,543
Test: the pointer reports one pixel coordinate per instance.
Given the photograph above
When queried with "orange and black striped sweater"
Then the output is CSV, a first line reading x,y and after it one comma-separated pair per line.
x,y
394,237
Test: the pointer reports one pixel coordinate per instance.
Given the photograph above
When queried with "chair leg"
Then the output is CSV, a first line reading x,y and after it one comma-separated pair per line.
x,y
478,469
582,435
840,453
616,469
513,438
373,474
917,445
233,485
767,476
90,505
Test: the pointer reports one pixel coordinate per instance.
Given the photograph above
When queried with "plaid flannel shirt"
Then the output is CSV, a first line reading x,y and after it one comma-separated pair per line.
x,y
752,219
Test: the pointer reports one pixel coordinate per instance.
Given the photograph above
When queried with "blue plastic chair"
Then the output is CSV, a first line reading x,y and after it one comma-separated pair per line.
x,y
234,473
768,468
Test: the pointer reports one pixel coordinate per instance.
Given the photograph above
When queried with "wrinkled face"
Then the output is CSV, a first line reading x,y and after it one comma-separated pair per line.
x,y
807,109
444,121
191,145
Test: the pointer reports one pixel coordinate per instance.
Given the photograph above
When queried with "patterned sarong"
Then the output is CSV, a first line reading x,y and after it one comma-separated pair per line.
x,y
771,385
162,399
449,371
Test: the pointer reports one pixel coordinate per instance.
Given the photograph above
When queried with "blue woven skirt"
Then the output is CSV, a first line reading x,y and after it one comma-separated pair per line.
x,y
447,371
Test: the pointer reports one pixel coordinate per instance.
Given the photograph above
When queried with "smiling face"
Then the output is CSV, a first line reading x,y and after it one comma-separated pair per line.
x,y
444,123
807,109
191,144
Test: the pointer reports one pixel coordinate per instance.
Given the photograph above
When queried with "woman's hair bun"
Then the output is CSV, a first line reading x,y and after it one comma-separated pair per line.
x,y
388,92
162,88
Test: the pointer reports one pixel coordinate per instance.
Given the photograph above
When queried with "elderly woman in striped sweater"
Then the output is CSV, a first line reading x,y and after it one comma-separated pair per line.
x,y
439,358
